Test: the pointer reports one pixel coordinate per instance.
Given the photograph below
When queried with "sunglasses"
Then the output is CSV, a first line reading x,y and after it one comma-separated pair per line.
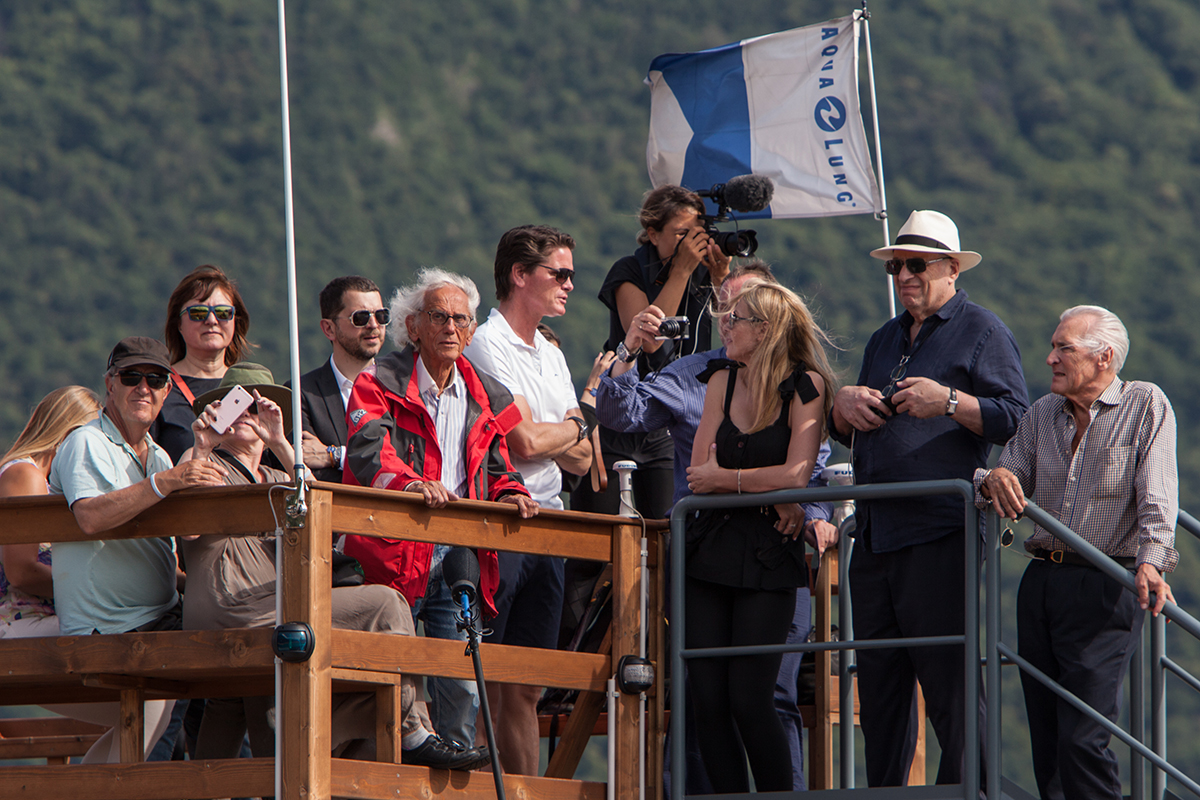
x,y
734,319
361,319
562,274
200,313
131,377
897,375
915,265
440,318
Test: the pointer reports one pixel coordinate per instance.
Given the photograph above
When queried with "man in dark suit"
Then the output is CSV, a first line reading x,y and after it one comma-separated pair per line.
x,y
354,320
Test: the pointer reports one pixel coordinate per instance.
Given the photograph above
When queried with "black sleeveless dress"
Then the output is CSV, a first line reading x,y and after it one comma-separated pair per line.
x,y
740,546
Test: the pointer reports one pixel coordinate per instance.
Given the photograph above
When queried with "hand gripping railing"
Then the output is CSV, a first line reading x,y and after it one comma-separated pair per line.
x,y
996,648
884,491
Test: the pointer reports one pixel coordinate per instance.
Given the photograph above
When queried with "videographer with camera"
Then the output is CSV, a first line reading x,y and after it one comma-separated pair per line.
x,y
675,267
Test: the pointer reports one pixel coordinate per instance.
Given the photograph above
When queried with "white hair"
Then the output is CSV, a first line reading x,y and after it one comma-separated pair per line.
x,y
410,300
1105,332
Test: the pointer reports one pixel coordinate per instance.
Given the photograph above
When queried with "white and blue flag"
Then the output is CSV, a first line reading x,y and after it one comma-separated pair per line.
x,y
784,106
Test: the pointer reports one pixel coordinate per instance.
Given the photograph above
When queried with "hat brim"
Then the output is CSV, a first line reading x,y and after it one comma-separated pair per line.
x,y
280,395
966,258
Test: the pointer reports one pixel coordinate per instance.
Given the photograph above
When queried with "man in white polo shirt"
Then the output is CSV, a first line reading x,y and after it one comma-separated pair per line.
x,y
534,271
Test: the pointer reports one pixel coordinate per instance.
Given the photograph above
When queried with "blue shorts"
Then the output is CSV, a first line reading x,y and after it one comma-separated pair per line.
x,y
528,601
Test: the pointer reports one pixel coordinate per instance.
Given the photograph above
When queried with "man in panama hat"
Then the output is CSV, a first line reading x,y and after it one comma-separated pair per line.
x,y
940,384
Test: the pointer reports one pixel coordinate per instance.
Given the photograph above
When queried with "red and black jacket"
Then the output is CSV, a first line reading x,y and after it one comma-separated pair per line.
x,y
393,442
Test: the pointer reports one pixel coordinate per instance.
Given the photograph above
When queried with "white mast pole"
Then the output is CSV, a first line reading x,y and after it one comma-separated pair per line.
x,y
863,16
296,506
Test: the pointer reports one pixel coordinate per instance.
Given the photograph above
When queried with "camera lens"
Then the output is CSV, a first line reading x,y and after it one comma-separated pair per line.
x,y
737,243
670,328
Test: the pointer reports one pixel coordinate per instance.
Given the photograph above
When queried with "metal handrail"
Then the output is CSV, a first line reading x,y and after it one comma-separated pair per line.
x,y
1159,662
969,639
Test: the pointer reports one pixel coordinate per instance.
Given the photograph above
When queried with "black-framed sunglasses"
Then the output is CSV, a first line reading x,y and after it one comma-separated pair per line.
x,y
440,318
561,274
199,313
897,375
361,319
131,377
915,265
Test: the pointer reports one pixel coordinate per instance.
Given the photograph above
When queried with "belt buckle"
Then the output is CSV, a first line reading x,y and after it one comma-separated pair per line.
x,y
1056,556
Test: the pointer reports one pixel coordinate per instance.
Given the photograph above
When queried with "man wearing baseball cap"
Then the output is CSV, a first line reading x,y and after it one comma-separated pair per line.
x,y
940,384
110,470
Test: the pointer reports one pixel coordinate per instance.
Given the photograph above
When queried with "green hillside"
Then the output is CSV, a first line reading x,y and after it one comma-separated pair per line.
x,y
141,138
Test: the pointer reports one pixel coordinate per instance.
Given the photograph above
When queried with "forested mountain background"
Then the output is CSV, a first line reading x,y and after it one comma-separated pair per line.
x,y
141,138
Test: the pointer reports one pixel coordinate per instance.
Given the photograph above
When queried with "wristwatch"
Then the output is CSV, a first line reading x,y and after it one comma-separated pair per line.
x,y
625,356
952,402
583,428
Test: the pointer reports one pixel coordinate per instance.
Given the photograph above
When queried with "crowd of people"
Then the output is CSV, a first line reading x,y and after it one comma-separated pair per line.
x,y
487,411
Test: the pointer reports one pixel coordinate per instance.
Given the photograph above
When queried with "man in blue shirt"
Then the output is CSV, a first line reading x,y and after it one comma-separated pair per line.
x,y
940,384
674,399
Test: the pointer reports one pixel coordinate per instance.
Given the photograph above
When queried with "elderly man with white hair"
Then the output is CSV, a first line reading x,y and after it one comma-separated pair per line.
x,y
1099,454
425,421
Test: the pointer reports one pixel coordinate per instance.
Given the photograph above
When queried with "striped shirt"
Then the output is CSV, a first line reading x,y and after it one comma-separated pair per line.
x,y
1120,489
449,414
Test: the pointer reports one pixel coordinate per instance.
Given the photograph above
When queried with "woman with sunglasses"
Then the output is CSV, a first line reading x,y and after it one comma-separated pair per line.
x,y
26,583
205,333
762,425
674,268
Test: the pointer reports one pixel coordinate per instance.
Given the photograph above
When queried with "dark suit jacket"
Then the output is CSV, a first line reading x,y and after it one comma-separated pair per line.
x,y
323,414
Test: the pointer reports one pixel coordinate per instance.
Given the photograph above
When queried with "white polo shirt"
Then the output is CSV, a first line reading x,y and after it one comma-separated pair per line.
x,y
539,374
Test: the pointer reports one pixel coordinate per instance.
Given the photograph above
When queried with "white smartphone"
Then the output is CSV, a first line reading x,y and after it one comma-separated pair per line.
x,y
232,406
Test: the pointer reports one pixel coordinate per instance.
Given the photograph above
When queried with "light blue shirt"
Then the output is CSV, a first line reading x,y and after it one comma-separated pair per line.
x,y
449,413
673,398
117,585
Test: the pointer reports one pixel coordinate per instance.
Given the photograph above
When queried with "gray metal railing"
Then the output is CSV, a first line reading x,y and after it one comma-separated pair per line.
x,y
970,638
996,653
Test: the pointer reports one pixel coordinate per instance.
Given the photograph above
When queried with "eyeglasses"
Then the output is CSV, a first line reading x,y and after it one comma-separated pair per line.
x,y
200,313
562,274
440,318
734,319
361,319
897,375
131,377
915,265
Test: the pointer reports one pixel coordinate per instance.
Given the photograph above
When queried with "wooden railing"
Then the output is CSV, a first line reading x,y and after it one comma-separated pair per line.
x,y
131,668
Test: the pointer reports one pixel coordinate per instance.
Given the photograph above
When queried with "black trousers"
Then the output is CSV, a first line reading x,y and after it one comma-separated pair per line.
x,y
916,591
1079,627
734,698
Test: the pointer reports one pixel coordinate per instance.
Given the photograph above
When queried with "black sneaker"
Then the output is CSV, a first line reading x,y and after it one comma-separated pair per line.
x,y
438,753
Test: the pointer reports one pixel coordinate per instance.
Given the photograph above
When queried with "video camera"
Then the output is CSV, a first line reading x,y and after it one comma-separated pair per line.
x,y
743,193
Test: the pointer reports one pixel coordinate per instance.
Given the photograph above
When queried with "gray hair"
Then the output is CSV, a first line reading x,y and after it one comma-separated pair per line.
x,y
410,300
1105,332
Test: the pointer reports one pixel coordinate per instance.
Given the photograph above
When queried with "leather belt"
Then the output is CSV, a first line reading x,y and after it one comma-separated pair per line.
x,y
1074,559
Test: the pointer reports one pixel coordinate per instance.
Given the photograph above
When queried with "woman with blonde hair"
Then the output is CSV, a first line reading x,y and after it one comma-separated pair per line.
x,y
26,589
26,586
762,425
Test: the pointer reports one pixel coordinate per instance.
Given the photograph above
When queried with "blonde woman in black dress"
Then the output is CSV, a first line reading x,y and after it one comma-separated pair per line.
x,y
762,425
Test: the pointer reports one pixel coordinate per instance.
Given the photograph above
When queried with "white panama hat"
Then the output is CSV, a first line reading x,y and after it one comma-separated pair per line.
x,y
930,232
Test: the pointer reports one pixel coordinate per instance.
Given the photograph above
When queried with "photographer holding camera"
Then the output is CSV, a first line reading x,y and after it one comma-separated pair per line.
x,y
675,268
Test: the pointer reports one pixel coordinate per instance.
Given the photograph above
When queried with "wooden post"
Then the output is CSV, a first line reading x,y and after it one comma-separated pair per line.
x,y
388,704
821,769
655,734
133,725
627,587
307,692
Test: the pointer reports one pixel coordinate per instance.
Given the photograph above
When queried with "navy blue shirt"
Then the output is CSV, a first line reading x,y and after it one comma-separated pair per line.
x,y
964,346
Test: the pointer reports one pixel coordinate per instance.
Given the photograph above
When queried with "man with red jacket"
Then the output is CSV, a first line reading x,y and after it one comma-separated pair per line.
x,y
425,421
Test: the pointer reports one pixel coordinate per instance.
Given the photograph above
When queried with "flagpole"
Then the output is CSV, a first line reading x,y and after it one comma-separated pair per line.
x,y
296,506
864,16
